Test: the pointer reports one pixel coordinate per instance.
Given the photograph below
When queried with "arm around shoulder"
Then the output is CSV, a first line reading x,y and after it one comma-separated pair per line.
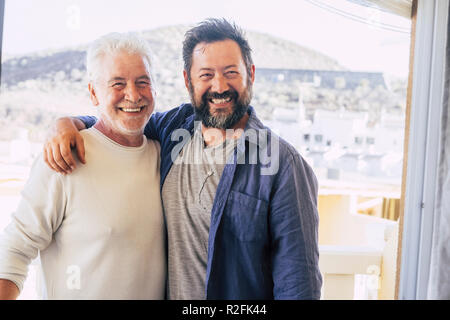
x,y
63,136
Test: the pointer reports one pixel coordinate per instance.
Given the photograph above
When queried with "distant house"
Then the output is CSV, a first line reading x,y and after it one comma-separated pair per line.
x,y
342,141
343,128
324,79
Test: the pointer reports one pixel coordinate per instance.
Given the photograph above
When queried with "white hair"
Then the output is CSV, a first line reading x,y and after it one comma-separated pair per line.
x,y
114,43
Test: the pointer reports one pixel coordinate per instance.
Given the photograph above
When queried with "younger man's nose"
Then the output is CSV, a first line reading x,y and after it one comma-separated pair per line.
x,y
219,84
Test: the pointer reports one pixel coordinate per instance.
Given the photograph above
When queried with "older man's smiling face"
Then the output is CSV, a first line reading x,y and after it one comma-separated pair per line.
x,y
123,91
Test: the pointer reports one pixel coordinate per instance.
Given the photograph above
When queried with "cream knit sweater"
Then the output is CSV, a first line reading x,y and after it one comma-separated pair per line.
x,y
99,231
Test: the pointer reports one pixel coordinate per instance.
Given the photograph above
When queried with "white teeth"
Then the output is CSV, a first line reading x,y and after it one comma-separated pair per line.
x,y
220,101
131,110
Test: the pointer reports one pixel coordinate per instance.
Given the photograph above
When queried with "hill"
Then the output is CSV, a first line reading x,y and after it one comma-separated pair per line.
x,y
166,42
39,87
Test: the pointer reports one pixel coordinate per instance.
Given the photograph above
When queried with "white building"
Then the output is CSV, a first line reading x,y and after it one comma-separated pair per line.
x,y
342,141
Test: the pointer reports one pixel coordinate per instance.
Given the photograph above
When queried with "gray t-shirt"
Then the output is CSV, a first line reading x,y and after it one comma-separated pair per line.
x,y
188,196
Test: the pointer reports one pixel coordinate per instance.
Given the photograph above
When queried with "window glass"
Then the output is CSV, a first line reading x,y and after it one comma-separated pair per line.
x,y
331,79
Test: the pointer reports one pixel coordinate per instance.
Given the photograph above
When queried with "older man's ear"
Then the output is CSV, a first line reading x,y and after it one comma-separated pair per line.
x,y
93,95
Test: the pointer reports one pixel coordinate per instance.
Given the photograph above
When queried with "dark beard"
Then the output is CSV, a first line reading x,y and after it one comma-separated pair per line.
x,y
240,107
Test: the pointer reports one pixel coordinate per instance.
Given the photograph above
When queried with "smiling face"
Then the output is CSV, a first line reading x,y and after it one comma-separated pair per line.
x,y
219,84
123,92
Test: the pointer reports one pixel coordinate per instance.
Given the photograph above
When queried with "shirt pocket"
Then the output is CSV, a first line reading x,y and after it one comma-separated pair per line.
x,y
246,217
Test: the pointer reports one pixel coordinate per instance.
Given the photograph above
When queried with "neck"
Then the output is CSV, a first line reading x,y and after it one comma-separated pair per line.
x,y
214,137
131,140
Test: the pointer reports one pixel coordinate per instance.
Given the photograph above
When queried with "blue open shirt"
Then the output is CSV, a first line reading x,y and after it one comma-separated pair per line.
x,y
263,238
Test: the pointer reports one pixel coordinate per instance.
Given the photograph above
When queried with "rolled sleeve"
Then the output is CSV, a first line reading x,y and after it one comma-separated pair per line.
x,y
88,121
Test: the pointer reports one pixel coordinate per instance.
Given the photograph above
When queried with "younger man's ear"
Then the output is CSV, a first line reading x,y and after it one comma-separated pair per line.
x,y
253,73
186,79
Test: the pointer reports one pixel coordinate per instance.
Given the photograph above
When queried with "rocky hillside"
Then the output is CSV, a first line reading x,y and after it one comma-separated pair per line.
x,y
38,88
268,52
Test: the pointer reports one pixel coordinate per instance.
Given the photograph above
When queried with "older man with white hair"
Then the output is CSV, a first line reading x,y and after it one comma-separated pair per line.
x,y
100,231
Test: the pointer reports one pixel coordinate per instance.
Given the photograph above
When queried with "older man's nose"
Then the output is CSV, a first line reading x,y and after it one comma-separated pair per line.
x,y
132,93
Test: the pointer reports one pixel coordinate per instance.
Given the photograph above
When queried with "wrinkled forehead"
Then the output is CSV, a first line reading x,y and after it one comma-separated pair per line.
x,y
123,64
218,53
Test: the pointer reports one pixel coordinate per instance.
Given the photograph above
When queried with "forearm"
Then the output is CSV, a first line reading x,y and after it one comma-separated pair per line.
x,y
64,123
8,290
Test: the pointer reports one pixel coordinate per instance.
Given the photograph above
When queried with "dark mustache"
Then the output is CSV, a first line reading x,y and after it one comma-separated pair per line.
x,y
223,95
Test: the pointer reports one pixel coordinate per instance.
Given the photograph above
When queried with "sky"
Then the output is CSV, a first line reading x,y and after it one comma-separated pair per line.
x,y
32,26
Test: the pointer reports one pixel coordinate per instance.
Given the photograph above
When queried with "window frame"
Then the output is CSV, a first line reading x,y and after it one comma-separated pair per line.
x,y
422,148
2,19
422,145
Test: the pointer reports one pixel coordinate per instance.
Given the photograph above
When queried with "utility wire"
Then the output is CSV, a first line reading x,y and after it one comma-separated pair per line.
x,y
357,18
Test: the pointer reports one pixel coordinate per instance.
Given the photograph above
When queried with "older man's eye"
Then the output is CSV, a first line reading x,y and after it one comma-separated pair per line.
x,y
143,83
118,85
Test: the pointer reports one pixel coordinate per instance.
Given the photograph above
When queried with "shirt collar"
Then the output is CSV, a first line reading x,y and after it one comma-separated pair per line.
x,y
251,131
